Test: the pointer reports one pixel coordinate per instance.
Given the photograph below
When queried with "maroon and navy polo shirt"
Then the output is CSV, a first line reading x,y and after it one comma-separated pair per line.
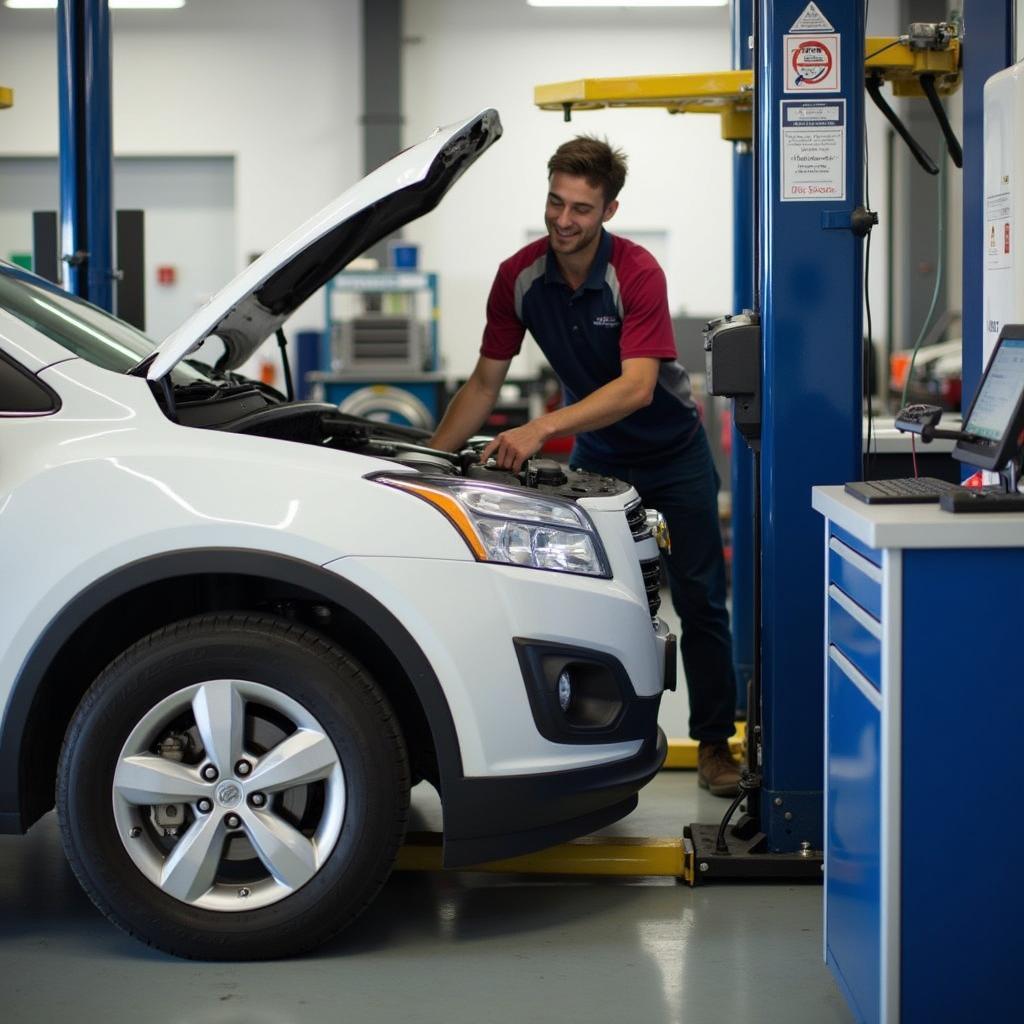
x,y
620,312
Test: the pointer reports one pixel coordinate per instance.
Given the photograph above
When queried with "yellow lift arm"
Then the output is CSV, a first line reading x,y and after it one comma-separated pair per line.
x,y
730,94
6,97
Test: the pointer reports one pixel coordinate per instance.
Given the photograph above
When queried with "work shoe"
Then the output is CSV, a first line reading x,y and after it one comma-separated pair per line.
x,y
717,772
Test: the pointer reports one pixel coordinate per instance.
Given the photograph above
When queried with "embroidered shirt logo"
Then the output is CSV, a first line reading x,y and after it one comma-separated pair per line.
x,y
606,321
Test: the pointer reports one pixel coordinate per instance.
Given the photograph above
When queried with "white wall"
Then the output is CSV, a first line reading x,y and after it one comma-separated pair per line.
x,y
189,206
463,55
278,86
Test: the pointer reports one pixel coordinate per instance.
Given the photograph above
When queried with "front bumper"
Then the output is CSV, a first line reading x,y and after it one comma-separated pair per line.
x,y
487,819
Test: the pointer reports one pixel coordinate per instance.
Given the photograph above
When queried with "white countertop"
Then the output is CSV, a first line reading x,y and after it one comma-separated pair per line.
x,y
918,526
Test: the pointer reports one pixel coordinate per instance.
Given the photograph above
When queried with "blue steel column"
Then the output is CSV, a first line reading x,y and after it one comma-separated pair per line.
x,y
86,149
811,292
987,49
742,467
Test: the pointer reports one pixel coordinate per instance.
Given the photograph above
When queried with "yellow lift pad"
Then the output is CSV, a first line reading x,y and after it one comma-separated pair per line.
x,y
6,97
591,855
616,856
730,94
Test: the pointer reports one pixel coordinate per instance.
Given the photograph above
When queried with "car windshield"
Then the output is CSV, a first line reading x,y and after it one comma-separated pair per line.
x,y
83,329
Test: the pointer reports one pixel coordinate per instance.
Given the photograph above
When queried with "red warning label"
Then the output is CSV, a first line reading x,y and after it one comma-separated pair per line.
x,y
812,63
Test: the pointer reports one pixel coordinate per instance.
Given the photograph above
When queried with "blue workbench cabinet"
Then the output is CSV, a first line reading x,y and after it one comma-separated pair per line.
x,y
924,697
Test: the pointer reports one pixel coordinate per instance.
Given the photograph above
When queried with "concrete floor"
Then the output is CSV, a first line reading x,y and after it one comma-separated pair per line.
x,y
457,947
453,948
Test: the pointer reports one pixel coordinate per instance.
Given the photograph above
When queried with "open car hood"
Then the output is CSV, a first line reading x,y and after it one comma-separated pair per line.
x,y
252,307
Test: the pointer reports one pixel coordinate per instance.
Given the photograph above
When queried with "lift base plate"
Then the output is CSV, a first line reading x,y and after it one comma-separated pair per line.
x,y
746,858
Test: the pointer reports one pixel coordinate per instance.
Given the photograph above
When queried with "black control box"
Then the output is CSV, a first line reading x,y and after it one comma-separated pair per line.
x,y
732,361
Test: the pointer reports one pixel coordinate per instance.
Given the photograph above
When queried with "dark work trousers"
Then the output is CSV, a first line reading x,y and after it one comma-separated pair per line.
x,y
684,489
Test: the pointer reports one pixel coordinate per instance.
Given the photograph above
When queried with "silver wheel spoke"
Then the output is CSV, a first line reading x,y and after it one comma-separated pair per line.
x,y
303,757
191,867
286,853
146,779
189,861
220,717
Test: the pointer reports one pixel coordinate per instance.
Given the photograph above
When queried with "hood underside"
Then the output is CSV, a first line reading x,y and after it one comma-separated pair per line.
x,y
260,299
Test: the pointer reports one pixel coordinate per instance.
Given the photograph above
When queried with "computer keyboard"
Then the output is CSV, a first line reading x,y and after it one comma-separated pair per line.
x,y
908,490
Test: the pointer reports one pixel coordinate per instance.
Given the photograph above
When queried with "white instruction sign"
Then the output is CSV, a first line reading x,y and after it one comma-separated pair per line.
x,y
812,20
998,231
813,150
812,62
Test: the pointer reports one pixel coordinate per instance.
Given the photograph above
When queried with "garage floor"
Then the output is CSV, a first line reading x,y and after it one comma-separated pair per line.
x,y
455,948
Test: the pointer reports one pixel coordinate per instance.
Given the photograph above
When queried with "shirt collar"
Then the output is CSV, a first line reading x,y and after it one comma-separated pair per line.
x,y
596,274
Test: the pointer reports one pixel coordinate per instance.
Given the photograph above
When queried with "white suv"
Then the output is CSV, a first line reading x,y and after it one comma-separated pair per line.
x,y
235,629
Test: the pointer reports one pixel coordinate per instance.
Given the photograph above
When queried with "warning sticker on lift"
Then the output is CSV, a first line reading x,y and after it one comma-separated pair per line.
x,y
812,20
812,63
813,150
998,231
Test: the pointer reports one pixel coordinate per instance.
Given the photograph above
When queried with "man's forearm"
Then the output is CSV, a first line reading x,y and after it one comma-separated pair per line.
x,y
608,404
464,416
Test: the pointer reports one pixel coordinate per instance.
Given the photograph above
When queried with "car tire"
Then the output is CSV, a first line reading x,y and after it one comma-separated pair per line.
x,y
298,830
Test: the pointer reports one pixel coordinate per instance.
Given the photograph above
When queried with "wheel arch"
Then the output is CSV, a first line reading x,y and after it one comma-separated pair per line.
x,y
115,611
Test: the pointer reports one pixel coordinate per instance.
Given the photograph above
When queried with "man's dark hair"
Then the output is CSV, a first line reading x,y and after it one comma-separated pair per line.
x,y
592,158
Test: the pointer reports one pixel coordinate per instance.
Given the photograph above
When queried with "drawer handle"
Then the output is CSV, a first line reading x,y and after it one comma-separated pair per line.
x,y
855,676
857,560
854,610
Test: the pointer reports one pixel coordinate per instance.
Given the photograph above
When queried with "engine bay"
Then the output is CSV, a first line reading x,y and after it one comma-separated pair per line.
x,y
248,407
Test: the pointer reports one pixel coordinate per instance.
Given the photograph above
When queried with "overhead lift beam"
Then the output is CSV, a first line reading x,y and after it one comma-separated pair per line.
x,y
730,93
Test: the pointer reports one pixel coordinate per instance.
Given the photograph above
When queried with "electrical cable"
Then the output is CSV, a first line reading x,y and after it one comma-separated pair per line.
x,y
868,345
939,269
956,152
873,85
869,348
721,846
750,779
913,453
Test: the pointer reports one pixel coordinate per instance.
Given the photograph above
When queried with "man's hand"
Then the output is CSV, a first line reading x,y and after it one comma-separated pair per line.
x,y
511,448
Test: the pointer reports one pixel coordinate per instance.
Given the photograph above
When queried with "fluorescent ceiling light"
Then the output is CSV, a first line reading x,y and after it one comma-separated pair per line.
x,y
627,3
124,5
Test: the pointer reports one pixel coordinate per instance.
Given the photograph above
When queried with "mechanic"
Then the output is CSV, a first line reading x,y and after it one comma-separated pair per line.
x,y
597,306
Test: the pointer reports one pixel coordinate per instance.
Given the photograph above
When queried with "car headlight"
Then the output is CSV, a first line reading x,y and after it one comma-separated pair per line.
x,y
501,524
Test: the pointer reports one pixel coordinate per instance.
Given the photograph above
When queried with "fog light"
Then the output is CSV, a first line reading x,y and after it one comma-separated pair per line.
x,y
564,690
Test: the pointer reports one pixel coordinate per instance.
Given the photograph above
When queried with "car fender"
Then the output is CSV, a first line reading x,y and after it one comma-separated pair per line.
x,y
329,585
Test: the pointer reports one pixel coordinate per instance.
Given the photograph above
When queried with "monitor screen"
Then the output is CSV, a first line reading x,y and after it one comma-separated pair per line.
x,y
996,417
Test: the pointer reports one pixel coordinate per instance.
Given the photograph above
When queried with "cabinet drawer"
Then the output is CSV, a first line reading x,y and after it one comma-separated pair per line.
x,y
857,634
856,576
871,554
854,835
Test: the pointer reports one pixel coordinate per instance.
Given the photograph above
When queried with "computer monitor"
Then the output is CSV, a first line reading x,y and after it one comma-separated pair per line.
x,y
994,424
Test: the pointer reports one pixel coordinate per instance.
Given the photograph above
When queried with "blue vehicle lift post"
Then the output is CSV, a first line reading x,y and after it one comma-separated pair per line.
x,y
810,281
742,466
86,149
